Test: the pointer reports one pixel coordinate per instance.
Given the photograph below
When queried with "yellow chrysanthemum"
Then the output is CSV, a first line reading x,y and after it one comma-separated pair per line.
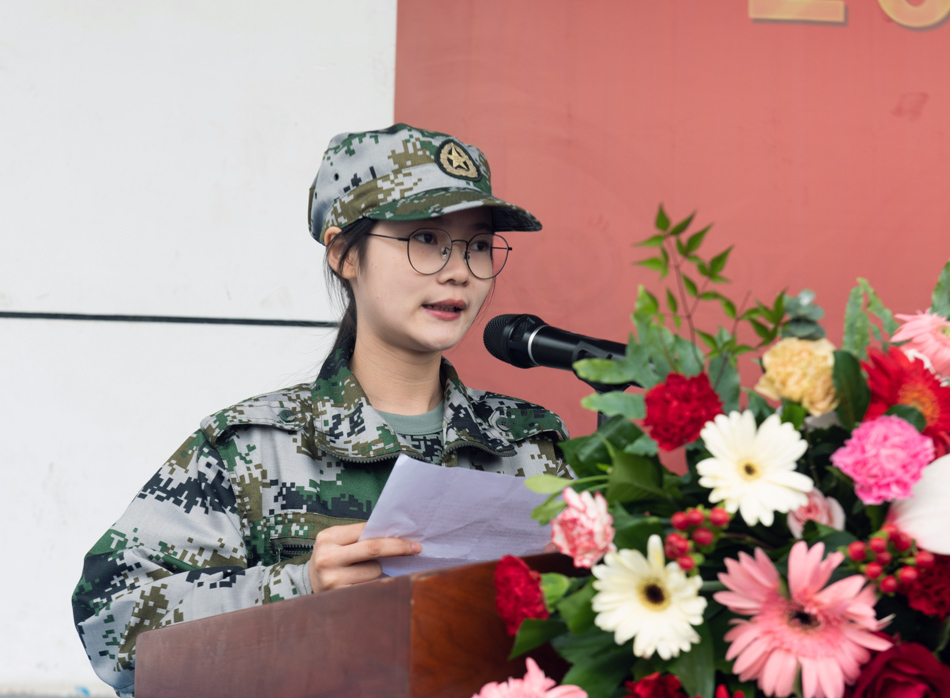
x,y
800,370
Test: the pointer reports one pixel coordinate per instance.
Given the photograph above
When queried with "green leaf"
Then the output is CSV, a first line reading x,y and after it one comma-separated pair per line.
x,y
875,514
728,307
534,632
832,538
793,413
708,339
688,356
702,268
610,371
646,302
616,402
710,295
635,367
654,263
876,307
856,325
683,224
576,610
803,329
584,453
759,406
657,342
547,484
644,446
554,586
655,241
909,414
696,239
671,301
725,381
634,531
697,668
944,636
778,309
853,393
599,664
543,513
761,330
633,478
690,285
718,263
940,300
662,220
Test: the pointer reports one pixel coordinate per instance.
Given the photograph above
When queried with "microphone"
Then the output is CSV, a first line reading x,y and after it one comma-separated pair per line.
x,y
526,341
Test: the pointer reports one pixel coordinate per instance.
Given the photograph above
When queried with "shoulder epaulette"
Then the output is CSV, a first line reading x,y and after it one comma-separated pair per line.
x,y
285,409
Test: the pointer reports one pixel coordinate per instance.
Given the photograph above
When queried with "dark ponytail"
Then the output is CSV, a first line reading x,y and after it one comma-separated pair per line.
x,y
353,238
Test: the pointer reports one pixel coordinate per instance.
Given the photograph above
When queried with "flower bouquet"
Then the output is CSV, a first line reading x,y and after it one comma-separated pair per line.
x,y
805,550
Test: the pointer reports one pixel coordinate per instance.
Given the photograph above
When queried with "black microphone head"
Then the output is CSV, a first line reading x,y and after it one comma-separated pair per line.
x,y
506,338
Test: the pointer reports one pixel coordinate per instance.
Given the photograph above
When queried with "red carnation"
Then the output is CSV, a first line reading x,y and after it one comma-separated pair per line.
x,y
656,686
678,409
896,379
519,592
907,670
930,594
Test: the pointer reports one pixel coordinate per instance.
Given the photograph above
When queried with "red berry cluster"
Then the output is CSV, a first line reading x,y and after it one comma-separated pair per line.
x,y
890,558
697,532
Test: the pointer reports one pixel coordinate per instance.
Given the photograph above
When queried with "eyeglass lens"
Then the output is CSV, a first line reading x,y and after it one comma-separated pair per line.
x,y
429,251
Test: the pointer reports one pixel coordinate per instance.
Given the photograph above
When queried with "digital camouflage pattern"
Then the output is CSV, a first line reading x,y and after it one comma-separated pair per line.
x,y
228,522
404,173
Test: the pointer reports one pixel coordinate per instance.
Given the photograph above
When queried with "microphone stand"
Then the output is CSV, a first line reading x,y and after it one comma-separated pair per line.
x,y
602,388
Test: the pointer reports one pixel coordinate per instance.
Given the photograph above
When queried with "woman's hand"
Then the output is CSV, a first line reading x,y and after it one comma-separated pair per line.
x,y
340,559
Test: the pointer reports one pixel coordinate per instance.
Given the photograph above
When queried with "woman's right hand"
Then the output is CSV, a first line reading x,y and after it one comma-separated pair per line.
x,y
340,558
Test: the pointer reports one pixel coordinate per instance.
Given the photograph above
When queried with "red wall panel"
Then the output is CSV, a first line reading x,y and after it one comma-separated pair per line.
x,y
818,149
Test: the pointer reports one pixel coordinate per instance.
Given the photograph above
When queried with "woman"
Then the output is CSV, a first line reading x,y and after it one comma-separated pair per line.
x,y
268,499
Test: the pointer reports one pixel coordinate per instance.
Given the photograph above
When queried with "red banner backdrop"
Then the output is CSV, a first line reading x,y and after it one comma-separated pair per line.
x,y
813,133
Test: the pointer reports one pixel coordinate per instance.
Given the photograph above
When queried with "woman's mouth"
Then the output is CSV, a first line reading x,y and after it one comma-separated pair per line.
x,y
446,309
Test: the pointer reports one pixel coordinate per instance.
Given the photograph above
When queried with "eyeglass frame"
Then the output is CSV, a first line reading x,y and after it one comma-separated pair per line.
x,y
452,242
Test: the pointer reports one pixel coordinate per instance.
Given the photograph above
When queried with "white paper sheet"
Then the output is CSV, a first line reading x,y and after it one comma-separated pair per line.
x,y
459,516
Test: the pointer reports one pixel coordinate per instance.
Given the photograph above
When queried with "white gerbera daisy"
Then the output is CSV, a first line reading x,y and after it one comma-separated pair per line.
x,y
644,598
753,471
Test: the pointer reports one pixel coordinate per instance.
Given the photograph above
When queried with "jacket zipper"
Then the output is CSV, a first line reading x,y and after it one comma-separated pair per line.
x,y
287,548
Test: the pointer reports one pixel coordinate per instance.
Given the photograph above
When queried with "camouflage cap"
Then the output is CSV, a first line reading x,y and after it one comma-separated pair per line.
x,y
404,174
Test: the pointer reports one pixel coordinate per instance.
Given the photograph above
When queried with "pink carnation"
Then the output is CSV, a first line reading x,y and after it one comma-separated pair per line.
x,y
884,457
584,530
928,334
821,509
534,685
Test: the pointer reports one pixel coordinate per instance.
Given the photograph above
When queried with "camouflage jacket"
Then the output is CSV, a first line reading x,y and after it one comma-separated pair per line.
x,y
228,522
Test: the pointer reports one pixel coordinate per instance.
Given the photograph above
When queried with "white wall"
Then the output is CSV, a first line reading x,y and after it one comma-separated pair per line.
x,y
154,160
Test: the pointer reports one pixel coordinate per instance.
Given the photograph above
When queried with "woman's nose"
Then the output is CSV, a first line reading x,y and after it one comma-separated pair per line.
x,y
457,265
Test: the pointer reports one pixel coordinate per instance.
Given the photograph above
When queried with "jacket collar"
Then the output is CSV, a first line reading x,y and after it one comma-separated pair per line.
x,y
347,426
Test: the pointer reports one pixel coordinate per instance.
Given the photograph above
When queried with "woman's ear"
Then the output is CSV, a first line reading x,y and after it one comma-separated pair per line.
x,y
335,247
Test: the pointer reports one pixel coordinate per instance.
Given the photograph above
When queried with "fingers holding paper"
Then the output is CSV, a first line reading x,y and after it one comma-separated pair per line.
x,y
341,559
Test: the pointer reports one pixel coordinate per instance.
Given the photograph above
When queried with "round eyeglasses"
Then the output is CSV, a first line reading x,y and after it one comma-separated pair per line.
x,y
430,249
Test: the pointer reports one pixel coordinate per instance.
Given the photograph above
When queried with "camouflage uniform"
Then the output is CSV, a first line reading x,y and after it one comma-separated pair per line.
x,y
228,522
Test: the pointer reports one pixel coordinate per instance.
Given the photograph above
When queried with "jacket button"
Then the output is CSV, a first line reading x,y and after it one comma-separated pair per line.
x,y
503,423
286,415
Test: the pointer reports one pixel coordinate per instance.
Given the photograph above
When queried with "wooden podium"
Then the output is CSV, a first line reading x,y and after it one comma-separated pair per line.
x,y
426,635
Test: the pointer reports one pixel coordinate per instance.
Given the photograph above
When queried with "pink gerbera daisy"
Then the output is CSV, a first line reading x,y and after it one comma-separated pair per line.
x,y
826,633
534,685
928,334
